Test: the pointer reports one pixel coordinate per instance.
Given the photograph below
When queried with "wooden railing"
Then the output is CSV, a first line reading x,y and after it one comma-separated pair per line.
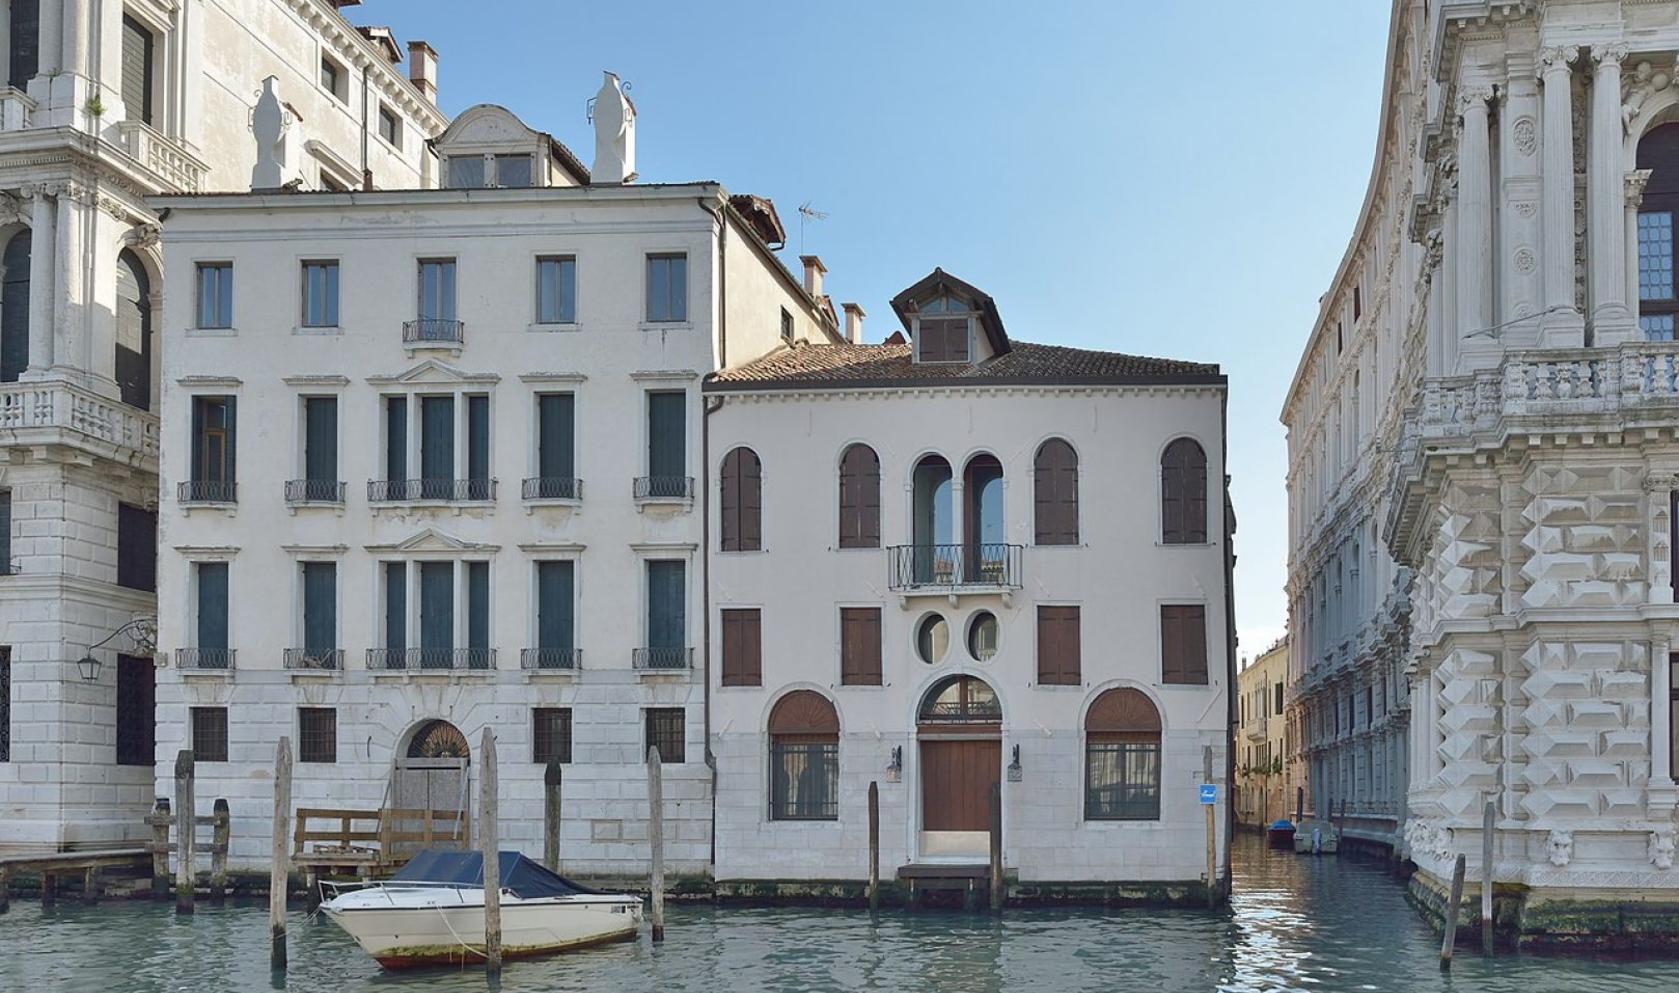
x,y
383,836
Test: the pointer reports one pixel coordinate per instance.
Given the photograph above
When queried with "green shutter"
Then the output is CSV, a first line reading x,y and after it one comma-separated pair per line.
x,y
212,606
666,604
478,438
396,606
396,438
667,453
554,604
320,608
320,456
437,606
437,441
478,605
556,435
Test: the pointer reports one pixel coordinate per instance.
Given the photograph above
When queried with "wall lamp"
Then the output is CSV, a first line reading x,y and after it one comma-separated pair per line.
x,y
141,630
895,768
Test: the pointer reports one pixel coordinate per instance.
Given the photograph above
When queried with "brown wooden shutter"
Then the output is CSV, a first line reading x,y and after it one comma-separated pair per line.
x,y
1171,646
1058,646
860,646
859,498
1055,494
730,503
1183,644
1183,493
742,648
751,501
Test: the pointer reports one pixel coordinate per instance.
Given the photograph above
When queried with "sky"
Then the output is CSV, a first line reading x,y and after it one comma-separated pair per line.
x,y
1159,178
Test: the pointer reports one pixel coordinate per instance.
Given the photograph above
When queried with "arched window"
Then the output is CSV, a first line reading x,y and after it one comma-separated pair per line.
x,y
985,554
1183,493
1055,494
859,498
1122,758
743,502
933,552
14,308
24,43
804,758
1658,151
134,331
961,700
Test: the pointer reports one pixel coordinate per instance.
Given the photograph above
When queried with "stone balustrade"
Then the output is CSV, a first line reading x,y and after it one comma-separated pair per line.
x,y
15,109
151,148
1552,382
49,413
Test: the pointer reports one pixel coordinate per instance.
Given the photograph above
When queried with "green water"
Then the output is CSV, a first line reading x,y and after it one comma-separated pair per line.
x,y
1295,924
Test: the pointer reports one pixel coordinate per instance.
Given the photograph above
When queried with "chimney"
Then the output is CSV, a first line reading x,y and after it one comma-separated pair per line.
x,y
422,69
814,269
853,322
614,117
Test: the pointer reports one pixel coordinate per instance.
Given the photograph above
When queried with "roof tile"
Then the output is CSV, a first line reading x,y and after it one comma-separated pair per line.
x,y
842,365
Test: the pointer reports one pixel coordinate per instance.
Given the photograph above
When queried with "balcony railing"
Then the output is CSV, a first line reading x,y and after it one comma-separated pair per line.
x,y
433,331
662,658
431,659
208,491
664,487
439,490
15,109
61,414
954,567
314,491
204,659
331,659
163,156
551,658
553,488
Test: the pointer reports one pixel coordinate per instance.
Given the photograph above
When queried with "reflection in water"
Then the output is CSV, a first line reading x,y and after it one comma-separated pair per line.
x,y
1296,923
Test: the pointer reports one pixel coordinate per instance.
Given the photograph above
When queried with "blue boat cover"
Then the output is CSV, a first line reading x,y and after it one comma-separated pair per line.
x,y
526,879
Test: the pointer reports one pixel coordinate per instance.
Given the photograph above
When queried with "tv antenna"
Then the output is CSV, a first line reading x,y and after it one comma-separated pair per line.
x,y
808,213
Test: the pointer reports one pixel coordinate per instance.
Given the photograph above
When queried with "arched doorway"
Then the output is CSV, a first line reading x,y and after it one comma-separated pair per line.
x,y
959,729
432,774
134,331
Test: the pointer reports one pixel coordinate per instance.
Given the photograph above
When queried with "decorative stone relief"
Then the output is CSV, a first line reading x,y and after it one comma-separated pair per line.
x,y
1659,486
1644,82
1526,208
1526,135
1661,847
1581,536
1585,710
1463,567
1471,740
1526,262
1559,847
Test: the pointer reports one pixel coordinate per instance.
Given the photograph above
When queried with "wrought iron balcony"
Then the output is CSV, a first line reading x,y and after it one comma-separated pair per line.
x,y
664,487
431,659
331,659
553,488
433,331
662,658
204,659
431,490
305,491
945,568
551,658
208,491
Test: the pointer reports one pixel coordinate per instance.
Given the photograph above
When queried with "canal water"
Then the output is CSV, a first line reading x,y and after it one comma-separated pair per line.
x,y
1296,923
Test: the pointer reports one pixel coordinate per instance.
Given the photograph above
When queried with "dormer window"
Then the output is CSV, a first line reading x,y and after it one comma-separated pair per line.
x,y
471,172
943,327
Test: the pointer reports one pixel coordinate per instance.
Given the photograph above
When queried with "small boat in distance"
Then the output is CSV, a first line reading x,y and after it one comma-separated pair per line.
x,y
1281,833
431,912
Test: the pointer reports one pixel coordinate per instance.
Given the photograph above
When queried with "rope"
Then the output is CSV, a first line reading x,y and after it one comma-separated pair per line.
x,y
462,941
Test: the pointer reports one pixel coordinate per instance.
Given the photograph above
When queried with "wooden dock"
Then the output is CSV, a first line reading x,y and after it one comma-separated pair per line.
x,y
49,866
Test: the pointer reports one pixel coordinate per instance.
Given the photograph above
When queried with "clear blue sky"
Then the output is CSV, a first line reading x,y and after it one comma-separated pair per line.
x,y
1161,178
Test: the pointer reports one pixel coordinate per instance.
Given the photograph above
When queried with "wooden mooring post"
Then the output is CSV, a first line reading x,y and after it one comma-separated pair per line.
x,y
874,847
492,858
1487,817
185,830
278,870
220,828
656,840
996,823
1450,938
159,821
551,815
90,884
5,889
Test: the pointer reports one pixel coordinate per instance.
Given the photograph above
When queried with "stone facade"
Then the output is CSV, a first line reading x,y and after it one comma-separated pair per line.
x,y
78,156
1266,761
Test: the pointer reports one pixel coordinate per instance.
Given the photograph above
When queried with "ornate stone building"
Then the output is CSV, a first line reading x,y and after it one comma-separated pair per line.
x,y
1522,467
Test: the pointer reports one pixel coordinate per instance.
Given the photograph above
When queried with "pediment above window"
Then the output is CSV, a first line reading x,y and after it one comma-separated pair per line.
x,y
431,540
432,372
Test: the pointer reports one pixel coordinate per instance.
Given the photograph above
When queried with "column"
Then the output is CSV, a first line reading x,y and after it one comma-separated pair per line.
x,y
43,288
1561,325
1474,222
1661,708
1612,321
1634,189
69,331
77,20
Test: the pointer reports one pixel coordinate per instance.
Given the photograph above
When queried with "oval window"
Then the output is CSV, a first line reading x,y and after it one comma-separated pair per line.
x,y
932,638
982,636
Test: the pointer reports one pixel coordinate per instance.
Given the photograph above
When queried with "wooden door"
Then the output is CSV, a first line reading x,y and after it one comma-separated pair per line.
x,y
956,781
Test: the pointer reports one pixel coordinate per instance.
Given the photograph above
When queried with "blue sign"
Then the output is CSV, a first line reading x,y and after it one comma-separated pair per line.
x,y
1209,794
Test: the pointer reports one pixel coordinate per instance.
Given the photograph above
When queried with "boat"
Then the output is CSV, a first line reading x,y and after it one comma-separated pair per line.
x,y
1317,838
1280,834
431,912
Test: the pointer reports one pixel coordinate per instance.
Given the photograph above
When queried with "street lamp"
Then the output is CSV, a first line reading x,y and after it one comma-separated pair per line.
x,y
141,630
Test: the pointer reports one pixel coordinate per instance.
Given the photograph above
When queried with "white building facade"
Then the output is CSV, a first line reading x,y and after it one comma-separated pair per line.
x,y
1265,775
1521,465
960,563
105,104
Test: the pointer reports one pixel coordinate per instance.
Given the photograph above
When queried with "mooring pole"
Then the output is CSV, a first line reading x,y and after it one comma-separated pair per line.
x,y
551,815
656,840
220,831
278,873
1487,817
1451,913
90,884
5,889
160,848
185,828
874,847
996,802
492,859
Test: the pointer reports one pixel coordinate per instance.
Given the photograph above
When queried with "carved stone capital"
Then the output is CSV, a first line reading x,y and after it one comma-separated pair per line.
x,y
1660,482
1474,96
1635,183
1610,53
1556,59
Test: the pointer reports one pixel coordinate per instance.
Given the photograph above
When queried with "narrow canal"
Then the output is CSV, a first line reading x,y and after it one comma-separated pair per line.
x,y
1297,924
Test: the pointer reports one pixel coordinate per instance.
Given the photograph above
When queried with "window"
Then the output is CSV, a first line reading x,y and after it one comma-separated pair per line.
x,y
860,646
1122,758
556,614
556,290
396,439
215,295
982,636
667,614
437,290
1183,643
985,555
14,298
320,615
665,732
932,639
804,758
390,126
209,734
136,547
6,567
137,48
1358,303
1055,494
214,429
743,502
210,587
6,692
24,42
1672,712
555,449
133,326
513,171
317,734
667,288
667,445
859,498
136,710
742,647
550,734
932,524
1658,304
941,331
320,453
1058,646
320,294
1183,493
466,172
396,616
445,472
333,79
1277,707
786,326
469,172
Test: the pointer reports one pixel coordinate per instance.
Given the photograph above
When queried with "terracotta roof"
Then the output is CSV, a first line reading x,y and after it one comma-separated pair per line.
x,y
856,366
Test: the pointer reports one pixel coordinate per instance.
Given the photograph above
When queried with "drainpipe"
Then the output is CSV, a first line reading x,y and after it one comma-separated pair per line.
x,y
711,406
366,173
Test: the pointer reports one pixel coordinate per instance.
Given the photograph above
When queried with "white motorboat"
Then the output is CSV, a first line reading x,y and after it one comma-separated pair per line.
x,y
432,912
